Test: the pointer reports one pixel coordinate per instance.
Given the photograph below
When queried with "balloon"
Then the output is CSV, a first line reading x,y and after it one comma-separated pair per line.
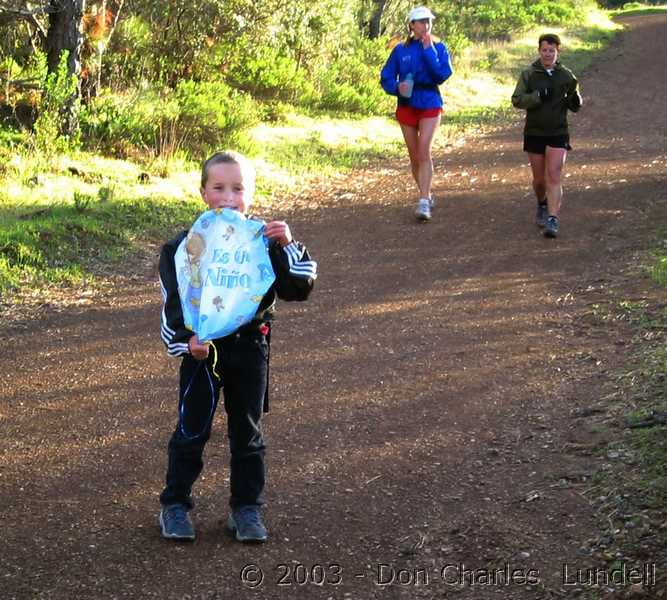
x,y
223,271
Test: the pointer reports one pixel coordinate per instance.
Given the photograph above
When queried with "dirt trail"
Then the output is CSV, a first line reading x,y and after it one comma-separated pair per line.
x,y
424,402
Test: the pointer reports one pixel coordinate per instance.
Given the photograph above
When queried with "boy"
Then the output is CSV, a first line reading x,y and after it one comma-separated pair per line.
x,y
227,181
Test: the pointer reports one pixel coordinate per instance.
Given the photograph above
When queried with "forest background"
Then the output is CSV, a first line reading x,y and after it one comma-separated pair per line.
x,y
107,107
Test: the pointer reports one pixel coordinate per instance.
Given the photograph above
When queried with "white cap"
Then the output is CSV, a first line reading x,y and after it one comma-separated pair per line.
x,y
421,12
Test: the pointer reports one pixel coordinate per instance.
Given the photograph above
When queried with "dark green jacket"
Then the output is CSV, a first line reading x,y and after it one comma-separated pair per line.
x,y
547,117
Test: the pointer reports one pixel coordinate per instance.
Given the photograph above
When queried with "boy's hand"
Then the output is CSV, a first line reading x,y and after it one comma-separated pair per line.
x,y
279,231
199,351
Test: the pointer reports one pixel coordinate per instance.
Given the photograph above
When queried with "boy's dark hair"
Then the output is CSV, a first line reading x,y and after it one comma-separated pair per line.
x,y
550,38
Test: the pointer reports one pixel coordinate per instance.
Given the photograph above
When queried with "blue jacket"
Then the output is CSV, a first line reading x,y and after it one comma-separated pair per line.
x,y
429,67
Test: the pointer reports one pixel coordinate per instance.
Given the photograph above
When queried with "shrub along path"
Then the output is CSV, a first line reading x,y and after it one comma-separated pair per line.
x,y
428,404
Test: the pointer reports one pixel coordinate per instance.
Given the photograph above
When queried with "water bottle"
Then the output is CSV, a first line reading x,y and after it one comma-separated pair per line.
x,y
408,84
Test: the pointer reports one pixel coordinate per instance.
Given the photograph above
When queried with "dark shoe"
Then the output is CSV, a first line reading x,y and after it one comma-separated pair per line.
x,y
246,524
551,228
175,523
542,214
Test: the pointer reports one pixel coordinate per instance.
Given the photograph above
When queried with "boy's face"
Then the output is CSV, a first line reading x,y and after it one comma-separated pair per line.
x,y
224,188
548,54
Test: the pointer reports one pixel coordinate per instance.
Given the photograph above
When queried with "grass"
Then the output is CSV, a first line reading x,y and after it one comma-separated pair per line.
x,y
658,268
632,9
635,488
324,145
70,242
646,379
63,220
651,446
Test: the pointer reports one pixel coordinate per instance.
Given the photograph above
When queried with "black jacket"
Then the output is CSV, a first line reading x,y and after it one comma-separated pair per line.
x,y
546,118
295,277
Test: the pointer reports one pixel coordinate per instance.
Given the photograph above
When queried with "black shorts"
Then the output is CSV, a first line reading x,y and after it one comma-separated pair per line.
x,y
537,144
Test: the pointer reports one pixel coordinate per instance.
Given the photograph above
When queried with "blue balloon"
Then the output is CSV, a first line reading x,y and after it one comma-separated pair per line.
x,y
223,271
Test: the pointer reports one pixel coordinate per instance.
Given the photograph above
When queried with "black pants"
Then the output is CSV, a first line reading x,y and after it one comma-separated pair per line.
x,y
243,368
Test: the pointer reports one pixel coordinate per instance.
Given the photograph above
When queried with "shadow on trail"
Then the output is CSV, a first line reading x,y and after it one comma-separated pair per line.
x,y
422,400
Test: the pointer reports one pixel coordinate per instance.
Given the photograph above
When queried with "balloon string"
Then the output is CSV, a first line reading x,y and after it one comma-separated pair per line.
x,y
215,359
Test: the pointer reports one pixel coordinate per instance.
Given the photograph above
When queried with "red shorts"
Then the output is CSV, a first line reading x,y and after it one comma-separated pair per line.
x,y
407,115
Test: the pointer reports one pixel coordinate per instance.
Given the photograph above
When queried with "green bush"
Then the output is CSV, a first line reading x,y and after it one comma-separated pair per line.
x,y
212,114
59,89
346,97
130,59
455,39
24,64
495,18
552,13
275,111
352,83
268,74
194,118
119,123
9,138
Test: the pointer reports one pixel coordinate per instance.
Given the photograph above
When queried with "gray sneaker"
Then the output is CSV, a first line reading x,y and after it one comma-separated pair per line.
x,y
246,524
175,523
423,211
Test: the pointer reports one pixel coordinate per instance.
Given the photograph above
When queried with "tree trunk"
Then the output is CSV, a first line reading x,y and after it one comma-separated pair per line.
x,y
101,45
374,26
116,8
65,33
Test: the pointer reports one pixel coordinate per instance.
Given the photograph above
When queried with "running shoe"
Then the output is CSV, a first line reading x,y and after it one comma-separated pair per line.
x,y
245,523
551,228
175,523
423,211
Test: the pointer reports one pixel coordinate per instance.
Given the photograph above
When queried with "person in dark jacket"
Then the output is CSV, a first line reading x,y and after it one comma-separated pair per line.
x,y
412,73
547,90
238,363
